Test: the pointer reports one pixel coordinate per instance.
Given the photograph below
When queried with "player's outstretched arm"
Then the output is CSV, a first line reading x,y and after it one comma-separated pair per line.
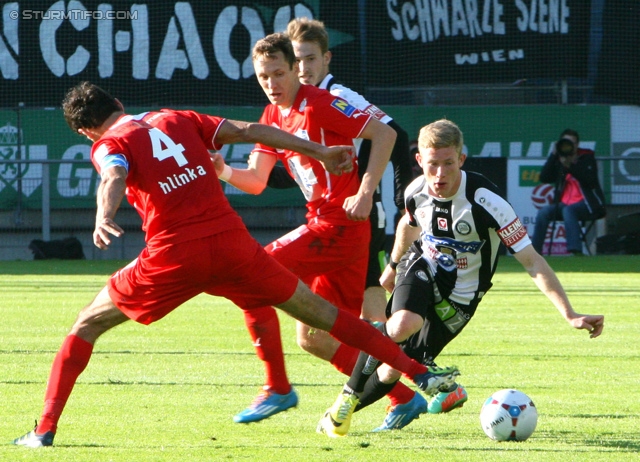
x,y
548,283
253,179
110,194
335,159
382,138
405,235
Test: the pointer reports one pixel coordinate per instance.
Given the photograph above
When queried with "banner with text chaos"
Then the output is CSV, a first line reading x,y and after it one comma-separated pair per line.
x,y
420,42
163,53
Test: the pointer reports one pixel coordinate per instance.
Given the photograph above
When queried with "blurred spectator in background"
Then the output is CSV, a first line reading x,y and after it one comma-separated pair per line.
x,y
578,195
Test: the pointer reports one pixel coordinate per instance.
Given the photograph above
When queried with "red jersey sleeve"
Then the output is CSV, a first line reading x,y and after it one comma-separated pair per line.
x,y
208,125
338,116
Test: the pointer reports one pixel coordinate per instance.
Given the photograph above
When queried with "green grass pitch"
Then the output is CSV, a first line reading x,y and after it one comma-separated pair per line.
x,y
168,392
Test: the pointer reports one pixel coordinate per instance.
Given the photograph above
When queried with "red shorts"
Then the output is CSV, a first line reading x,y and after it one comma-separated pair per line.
x,y
331,260
230,264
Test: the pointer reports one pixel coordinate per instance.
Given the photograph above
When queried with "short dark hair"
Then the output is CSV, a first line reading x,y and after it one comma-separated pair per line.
x,y
272,44
88,106
570,132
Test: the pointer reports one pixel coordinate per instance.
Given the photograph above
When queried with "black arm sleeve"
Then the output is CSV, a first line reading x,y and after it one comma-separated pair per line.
x,y
279,178
401,160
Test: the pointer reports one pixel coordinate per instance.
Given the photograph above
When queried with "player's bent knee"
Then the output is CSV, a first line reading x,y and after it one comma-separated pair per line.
x,y
403,324
387,374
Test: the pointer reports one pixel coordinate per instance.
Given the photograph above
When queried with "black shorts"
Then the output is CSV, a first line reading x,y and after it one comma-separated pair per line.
x,y
417,292
376,250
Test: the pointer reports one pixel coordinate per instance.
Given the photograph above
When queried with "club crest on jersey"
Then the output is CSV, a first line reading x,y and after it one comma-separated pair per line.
x,y
303,104
442,224
463,227
344,107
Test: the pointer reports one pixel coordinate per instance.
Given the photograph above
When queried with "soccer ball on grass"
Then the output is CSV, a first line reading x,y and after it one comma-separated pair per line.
x,y
508,415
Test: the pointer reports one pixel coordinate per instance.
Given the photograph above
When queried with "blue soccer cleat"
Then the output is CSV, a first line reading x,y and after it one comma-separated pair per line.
x,y
266,404
403,414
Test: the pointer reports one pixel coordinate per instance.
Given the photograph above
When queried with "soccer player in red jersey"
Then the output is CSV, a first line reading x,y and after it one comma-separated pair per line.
x,y
195,241
330,252
310,41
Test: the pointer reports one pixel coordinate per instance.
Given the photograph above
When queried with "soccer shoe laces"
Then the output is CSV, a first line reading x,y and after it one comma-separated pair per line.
x,y
261,398
344,410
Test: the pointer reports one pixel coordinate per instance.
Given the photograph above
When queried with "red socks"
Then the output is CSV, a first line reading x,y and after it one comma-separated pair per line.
x,y
71,360
344,359
356,333
400,394
264,327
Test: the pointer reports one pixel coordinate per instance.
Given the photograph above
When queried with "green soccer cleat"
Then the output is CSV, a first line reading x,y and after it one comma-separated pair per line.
x,y
403,414
436,379
337,420
446,401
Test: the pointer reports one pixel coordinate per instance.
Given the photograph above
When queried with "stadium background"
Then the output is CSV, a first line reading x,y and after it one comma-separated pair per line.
x,y
512,74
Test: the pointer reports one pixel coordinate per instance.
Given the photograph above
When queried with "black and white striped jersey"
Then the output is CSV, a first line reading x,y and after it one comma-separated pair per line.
x,y
460,236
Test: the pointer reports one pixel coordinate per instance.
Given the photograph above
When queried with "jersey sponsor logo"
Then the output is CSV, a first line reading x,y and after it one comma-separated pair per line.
x,y
375,112
512,233
344,107
300,133
451,316
304,176
444,257
460,246
442,224
463,227
444,310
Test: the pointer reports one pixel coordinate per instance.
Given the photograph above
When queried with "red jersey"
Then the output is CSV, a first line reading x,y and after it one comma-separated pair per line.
x,y
171,180
317,115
